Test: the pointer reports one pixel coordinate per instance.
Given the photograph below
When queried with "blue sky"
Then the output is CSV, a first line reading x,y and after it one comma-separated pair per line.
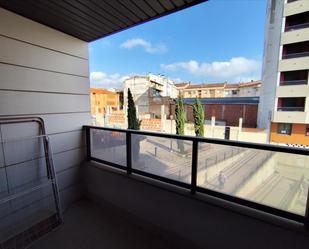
x,y
217,41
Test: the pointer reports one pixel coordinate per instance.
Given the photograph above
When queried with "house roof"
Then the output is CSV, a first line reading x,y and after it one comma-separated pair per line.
x,y
182,85
250,83
195,86
101,90
89,20
219,85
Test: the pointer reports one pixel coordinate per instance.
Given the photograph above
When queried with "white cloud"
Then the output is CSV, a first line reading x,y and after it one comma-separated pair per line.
x,y
236,69
147,46
104,80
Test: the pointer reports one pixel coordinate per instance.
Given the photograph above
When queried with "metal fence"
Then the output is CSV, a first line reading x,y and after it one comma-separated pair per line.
x,y
129,143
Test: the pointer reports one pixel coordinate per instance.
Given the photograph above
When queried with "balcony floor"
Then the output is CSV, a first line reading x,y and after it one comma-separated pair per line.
x,y
89,226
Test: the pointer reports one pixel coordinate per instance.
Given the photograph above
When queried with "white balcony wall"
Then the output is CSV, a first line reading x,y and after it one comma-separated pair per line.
x,y
45,73
296,7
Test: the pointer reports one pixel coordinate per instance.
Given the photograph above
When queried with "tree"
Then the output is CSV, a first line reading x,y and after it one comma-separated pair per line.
x,y
198,116
179,116
180,122
133,122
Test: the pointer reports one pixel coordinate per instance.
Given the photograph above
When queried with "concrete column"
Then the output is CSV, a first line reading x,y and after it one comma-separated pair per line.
x,y
125,112
239,128
240,124
213,123
163,118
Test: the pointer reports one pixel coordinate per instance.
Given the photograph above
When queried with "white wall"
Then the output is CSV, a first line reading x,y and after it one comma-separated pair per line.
x,y
45,73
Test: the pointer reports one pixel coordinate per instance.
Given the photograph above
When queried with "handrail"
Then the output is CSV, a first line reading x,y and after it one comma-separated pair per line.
x,y
291,109
297,27
294,82
194,163
295,55
249,145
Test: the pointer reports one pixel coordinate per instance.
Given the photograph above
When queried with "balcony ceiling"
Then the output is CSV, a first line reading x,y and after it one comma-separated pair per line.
x,y
89,20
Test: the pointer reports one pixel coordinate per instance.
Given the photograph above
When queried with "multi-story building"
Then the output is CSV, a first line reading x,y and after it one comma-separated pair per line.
x,y
148,90
284,102
101,99
219,90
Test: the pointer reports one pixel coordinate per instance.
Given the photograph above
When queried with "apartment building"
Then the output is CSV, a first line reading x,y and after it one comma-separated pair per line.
x,y
148,90
100,99
219,90
284,99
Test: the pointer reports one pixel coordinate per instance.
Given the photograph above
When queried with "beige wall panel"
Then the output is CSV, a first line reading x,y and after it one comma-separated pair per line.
x,y
18,103
20,53
21,78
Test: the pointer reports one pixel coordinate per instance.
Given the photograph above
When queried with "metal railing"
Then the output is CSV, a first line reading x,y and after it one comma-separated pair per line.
x,y
129,143
291,109
295,55
297,26
293,82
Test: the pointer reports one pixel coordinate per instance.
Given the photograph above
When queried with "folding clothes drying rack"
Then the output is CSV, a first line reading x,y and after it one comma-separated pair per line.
x,y
15,202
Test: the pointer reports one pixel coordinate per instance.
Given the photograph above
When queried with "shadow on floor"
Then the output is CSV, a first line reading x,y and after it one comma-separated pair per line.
x,y
89,226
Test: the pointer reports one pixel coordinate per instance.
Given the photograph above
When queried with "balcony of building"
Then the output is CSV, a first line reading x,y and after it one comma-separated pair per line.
x,y
294,78
295,50
296,29
295,7
298,21
65,184
295,57
290,110
291,104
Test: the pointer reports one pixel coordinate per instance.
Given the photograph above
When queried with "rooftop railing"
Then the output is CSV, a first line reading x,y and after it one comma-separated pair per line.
x,y
272,179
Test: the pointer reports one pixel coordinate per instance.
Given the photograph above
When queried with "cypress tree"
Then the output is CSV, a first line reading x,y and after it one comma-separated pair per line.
x,y
198,116
180,122
133,122
179,116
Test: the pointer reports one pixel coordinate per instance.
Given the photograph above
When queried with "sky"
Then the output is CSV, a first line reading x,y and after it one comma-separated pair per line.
x,y
216,41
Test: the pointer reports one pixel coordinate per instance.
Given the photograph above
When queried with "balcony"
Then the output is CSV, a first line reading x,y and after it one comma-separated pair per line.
x,y
294,78
291,104
293,82
295,22
66,185
295,50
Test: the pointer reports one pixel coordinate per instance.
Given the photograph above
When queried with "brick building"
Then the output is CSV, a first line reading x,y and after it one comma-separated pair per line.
x,y
226,110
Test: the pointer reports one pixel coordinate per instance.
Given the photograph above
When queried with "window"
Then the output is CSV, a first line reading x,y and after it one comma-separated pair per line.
x,y
307,130
234,92
284,128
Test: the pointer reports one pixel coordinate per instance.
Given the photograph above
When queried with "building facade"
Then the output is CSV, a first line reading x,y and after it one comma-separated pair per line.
x,y
284,102
101,99
148,91
219,90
